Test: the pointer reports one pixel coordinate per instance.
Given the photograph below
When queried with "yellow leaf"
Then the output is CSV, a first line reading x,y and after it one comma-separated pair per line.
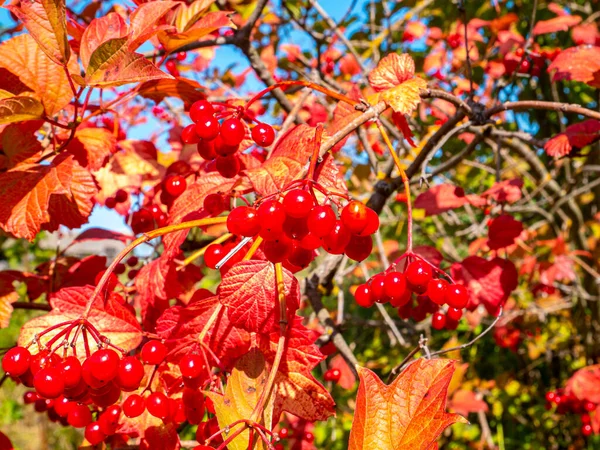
x,y
20,109
405,97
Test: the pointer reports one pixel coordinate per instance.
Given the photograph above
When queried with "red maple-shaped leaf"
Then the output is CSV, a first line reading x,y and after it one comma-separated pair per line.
x,y
444,197
19,146
409,413
507,191
503,230
110,318
575,136
576,63
490,282
394,77
585,384
249,291
36,197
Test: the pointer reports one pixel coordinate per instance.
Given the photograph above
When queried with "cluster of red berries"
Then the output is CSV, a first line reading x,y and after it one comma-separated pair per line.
x,y
294,228
130,267
121,196
431,293
566,403
147,219
304,438
220,141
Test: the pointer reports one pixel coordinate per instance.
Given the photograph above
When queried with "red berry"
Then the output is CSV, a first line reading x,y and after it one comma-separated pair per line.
x,y
132,261
175,185
189,135
16,361
224,149
119,269
418,273
457,296
232,131
263,134
308,437
157,404
372,223
454,313
284,433
451,324
207,127
589,406
110,202
132,274
30,397
364,296
134,406
310,242
93,433
243,221
300,257
228,166
191,366
550,396
63,406
332,375
171,67
438,321
271,215
153,352
436,290
41,360
354,216
71,371
359,247
104,362
180,56
213,254
109,420
395,285
130,373
519,52
377,284
335,242
214,204
277,250
79,416
298,203
587,430
200,109
321,220
295,228
206,149
48,382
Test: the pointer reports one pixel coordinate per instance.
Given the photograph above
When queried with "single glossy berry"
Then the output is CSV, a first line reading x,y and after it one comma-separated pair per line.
x,y
213,254
119,269
589,406
308,437
201,108
263,134
298,203
321,220
451,324
418,273
111,282
175,185
457,296
354,216
332,375
232,131
228,166
132,261
93,433
550,396
130,373
63,406
157,404
519,52
587,429
48,382
359,247
153,352
300,257
377,284
191,366
310,242
132,274
372,223
70,368
454,313
284,433
214,204
42,360
271,215
142,221
208,128
206,149
134,406
189,135
438,321
105,362
277,250
79,416
110,202
171,67
337,240
395,285
222,148
109,419
243,221
436,290
364,296
16,361
30,397
295,228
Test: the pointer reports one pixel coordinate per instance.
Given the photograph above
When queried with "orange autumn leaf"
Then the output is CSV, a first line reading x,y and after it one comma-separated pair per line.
x,y
409,413
394,77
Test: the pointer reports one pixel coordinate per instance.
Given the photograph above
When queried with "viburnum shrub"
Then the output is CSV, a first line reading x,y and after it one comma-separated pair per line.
x,y
422,181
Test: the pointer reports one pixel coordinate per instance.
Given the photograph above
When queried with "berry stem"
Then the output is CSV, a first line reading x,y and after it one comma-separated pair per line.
x,y
406,183
315,154
308,84
253,249
227,441
141,240
210,322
